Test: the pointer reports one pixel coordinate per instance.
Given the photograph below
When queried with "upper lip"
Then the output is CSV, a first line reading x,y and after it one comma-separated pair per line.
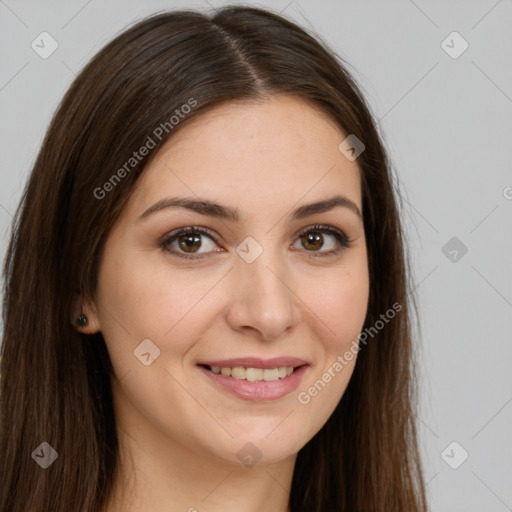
x,y
256,362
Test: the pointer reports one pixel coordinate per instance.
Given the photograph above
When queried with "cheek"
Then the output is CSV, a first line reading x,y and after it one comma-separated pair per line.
x,y
340,308
141,300
340,303
345,310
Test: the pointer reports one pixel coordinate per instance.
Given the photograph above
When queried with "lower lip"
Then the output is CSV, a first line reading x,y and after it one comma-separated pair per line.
x,y
258,391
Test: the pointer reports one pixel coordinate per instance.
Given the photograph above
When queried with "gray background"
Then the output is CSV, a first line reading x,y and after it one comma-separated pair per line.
x,y
447,123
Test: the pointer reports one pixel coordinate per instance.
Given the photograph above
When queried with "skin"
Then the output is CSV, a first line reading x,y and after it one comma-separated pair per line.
x,y
179,433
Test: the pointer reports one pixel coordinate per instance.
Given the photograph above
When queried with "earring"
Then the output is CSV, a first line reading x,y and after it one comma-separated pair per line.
x,y
81,320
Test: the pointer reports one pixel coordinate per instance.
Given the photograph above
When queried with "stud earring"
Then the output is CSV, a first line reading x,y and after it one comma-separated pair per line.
x,y
81,320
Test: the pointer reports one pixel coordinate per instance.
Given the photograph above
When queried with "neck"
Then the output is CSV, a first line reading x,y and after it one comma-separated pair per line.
x,y
160,475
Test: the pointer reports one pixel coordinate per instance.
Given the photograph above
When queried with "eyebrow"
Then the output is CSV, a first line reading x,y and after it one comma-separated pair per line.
x,y
211,209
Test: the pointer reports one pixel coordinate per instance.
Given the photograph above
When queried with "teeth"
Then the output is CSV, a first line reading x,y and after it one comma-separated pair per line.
x,y
269,374
238,373
254,374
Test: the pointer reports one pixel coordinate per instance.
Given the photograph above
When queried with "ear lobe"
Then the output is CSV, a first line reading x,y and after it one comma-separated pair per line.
x,y
84,316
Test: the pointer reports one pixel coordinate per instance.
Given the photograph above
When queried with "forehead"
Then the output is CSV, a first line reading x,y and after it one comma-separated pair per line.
x,y
259,156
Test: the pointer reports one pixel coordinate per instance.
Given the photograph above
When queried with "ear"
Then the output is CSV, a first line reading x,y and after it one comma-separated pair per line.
x,y
85,307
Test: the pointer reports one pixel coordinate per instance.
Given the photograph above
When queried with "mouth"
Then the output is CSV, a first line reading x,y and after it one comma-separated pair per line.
x,y
256,380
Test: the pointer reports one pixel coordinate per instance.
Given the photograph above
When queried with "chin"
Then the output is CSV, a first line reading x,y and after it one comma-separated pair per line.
x,y
261,448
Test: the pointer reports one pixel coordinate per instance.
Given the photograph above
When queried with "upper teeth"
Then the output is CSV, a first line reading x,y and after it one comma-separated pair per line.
x,y
253,374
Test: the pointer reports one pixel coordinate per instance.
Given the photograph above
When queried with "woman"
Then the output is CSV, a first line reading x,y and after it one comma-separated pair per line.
x,y
208,242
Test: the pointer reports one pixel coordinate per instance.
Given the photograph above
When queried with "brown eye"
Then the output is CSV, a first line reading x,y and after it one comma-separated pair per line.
x,y
313,241
187,242
323,237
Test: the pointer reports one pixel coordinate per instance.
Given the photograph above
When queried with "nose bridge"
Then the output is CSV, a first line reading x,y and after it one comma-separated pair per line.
x,y
265,298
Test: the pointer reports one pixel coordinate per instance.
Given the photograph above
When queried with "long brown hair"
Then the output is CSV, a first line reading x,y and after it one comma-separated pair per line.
x,y
55,382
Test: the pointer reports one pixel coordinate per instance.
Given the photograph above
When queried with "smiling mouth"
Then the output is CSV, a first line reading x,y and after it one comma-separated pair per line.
x,y
244,380
253,374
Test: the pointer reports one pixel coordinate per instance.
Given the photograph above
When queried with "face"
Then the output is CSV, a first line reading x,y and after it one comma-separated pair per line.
x,y
191,296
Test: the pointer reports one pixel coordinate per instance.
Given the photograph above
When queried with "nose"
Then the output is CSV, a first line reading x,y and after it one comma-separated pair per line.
x,y
262,299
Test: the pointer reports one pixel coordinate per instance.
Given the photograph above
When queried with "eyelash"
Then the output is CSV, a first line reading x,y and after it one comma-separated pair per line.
x,y
343,241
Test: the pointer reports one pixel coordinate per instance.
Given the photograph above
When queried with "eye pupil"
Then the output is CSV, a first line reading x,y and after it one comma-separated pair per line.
x,y
188,241
313,239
